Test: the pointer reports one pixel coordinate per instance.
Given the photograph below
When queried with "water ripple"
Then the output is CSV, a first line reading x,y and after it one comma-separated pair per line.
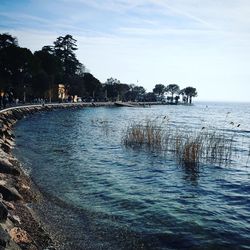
x,y
126,199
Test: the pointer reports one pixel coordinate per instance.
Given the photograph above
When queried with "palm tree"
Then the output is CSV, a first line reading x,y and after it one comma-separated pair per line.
x,y
190,92
172,89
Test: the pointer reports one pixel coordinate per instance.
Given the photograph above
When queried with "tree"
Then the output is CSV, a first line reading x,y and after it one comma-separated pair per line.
x,y
112,81
122,89
40,84
150,97
7,40
190,92
172,89
52,66
182,93
64,48
176,98
159,90
49,62
33,76
136,93
92,84
111,88
17,66
77,86
140,92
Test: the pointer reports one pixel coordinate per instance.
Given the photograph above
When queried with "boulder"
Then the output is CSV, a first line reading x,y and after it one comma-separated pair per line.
x,y
9,205
7,168
9,193
8,133
20,236
5,157
3,212
10,122
6,148
10,142
5,241
15,219
4,238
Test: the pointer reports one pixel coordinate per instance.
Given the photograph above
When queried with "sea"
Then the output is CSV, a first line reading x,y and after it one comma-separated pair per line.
x,y
100,194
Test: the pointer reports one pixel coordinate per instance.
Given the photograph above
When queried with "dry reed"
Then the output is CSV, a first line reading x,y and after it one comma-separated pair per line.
x,y
189,149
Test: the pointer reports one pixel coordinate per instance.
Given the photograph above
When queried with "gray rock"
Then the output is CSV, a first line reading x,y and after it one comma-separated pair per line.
x,y
8,133
8,168
15,219
6,148
10,193
3,212
4,238
6,243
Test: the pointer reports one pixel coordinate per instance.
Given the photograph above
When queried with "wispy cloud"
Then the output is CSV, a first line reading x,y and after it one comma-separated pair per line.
x,y
222,15
179,11
111,5
163,31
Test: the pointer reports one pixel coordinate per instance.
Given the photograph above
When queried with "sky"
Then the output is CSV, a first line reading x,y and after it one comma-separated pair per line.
x,y
200,43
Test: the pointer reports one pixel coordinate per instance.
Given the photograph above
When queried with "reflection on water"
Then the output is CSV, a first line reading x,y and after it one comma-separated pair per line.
x,y
104,196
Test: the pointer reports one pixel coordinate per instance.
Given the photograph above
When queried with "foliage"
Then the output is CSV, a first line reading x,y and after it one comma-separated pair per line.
x,y
17,65
37,75
7,40
135,93
64,48
159,90
92,84
115,89
172,89
150,97
189,92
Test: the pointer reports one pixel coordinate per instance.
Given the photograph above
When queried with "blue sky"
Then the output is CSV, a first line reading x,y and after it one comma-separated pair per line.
x,y
205,44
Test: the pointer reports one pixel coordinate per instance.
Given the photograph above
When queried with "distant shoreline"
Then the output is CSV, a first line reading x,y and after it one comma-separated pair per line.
x,y
85,104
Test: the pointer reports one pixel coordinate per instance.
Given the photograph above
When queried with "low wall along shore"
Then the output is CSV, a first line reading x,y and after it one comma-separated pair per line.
x,y
18,227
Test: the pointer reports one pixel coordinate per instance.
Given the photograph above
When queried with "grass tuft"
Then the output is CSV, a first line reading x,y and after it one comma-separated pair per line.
x,y
189,149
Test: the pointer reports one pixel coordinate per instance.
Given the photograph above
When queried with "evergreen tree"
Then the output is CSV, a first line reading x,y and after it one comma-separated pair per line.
x,y
64,48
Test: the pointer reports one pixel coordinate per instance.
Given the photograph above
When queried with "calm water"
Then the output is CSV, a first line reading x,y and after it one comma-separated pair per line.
x,y
101,195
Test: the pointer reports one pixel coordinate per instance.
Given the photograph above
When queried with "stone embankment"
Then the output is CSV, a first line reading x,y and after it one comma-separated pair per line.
x,y
18,227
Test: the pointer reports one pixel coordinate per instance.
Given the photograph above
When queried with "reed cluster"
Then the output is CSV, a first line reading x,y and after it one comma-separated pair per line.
x,y
188,148
147,134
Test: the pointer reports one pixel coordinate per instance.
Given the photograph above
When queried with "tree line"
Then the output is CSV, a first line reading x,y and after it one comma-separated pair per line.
x,y
175,92
27,76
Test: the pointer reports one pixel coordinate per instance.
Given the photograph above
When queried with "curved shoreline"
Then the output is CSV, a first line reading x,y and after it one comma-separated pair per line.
x,y
19,229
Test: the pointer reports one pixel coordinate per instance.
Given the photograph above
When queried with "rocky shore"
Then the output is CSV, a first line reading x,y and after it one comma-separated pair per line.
x,y
19,229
